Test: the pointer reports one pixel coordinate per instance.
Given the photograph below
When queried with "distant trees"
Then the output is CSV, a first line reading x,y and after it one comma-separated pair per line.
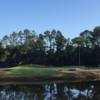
x,y
1,53
50,48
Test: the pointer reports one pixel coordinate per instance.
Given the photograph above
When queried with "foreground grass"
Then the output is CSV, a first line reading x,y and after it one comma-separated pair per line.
x,y
37,73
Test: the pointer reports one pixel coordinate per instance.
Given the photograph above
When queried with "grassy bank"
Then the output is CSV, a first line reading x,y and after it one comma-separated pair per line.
x,y
37,73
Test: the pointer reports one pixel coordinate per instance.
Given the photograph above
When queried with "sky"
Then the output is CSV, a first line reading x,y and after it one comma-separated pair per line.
x,y
69,16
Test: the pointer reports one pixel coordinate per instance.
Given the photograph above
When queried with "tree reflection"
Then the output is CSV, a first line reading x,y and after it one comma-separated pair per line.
x,y
50,92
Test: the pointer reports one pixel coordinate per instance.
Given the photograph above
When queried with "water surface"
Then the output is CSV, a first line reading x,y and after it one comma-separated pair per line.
x,y
51,91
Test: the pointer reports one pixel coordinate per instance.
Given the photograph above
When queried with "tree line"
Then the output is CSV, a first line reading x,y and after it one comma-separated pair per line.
x,y
50,48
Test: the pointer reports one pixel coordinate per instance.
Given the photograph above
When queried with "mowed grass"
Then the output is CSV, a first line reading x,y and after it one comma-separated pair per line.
x,y
45,73
36,71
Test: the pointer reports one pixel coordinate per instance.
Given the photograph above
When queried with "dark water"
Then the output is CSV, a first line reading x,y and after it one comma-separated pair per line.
x,y
53,91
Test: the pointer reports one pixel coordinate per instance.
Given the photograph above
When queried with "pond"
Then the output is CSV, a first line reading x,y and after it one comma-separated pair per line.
x,y
51,91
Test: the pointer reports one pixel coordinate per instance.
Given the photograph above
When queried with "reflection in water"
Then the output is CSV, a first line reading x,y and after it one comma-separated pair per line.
x,y
75,91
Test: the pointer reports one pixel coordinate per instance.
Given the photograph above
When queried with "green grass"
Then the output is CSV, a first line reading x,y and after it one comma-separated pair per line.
x,y
43,73
37,70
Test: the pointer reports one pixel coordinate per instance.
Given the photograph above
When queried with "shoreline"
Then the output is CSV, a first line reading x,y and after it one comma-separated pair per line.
x,y
33,74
